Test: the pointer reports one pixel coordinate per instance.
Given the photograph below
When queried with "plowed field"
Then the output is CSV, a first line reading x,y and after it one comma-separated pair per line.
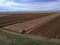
x,y
19,18
41,24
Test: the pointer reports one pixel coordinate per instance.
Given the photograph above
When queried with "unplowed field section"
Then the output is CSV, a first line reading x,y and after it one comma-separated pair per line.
x,y
2,15
50,30
12,19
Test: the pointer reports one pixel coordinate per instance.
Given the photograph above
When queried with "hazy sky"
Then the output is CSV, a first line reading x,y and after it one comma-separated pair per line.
x,y
29,5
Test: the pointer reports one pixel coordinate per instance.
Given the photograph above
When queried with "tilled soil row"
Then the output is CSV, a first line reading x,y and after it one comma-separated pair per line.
x,y
50,29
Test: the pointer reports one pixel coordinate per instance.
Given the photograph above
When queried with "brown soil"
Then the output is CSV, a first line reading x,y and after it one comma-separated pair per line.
x,y
26,25
38,24
50,29
19,18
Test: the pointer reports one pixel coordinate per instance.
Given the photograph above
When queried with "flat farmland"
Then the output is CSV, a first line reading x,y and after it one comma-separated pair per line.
x,y
10,19
38,24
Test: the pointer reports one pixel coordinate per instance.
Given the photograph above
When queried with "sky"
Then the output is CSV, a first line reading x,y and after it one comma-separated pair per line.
x,y
29,5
